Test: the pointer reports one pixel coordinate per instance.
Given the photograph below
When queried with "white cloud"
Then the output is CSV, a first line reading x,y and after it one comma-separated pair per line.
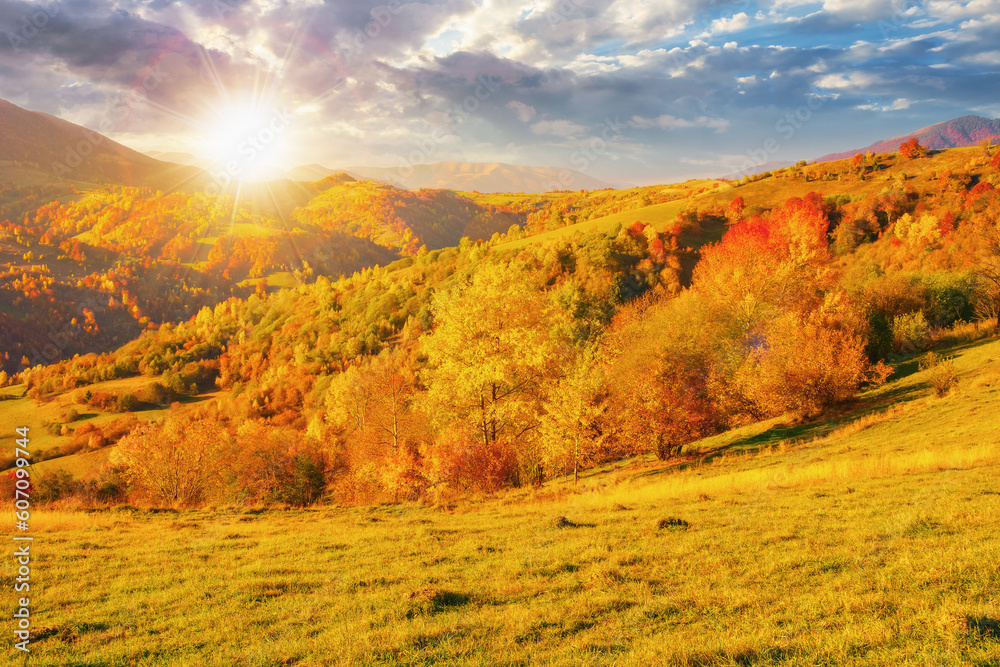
x,y
898,105
558,128
854,81
524,112
668,122
953,11
734,23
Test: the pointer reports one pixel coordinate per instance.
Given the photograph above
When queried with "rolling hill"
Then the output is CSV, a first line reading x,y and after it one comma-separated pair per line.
x,y
39,142
869,535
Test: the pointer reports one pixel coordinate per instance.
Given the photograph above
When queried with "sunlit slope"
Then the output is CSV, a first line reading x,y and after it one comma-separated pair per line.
x,y
772,189
659,215
874,545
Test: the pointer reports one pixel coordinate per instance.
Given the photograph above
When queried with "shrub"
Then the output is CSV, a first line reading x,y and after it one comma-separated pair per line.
x,y
119,428
103,401
941,374
109,487
806,364
55,485
910,332
489,468
156,393
126,403
304,480
175,464
880,337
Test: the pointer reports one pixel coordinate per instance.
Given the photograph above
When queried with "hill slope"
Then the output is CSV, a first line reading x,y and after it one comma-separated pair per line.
x,y
54,146
873,545
954,133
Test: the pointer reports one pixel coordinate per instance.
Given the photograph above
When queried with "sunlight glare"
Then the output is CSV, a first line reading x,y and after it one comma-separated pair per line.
x,y
248,143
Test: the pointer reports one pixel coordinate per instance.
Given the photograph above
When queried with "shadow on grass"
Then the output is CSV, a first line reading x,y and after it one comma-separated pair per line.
x,y
989,627
433,601
746,445
892,394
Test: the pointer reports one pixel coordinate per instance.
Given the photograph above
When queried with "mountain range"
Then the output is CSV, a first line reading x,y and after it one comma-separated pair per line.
x,y
465,176
38,147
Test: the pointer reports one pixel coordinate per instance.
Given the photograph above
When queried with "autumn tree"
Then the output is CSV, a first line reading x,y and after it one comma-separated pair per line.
x,y
492,351
670,352
265,464
989,267
570,427
175,464
911,149
373,406
736,208
763,265
809,361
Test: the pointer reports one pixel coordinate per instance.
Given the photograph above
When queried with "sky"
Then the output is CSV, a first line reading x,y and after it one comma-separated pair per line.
x,y
628,91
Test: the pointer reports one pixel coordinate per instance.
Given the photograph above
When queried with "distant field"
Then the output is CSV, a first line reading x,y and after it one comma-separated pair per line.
x,y
239,230
869,539
658,215
281,279
19,412
79,465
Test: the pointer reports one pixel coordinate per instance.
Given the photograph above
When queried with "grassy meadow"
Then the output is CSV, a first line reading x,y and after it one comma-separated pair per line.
x,y
866,539
658,215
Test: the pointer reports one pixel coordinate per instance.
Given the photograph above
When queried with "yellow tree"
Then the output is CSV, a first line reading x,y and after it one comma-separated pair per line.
x,y
375,398
174,464
373,406
491,354
570,428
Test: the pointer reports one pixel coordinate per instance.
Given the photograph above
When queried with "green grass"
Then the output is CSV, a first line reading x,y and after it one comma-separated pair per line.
x,y
81,465
18,412
281,279
659,215
867,539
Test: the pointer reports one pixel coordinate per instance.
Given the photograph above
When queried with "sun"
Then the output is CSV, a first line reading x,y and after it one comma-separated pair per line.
x,y
247,143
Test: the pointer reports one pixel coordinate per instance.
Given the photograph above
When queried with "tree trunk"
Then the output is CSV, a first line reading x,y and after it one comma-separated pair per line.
x,y
576,461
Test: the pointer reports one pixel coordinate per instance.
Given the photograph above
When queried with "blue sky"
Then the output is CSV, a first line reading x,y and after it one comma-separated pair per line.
x,y
626,91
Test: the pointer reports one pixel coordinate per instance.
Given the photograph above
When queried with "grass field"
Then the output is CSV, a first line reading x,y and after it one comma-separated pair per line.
x,y
22,411
867,539
658,215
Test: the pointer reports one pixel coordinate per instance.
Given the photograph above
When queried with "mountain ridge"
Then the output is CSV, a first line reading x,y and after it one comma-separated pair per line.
x,y
57,147
957,132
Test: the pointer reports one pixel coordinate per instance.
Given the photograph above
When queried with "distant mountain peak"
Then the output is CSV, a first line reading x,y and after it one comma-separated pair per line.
x,y
955,133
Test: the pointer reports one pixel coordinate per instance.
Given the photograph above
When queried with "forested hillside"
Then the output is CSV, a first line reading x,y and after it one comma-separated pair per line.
x,y
487,365
89,270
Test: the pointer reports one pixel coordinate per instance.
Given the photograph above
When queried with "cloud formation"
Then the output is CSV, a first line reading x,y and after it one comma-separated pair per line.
x,y
689,84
